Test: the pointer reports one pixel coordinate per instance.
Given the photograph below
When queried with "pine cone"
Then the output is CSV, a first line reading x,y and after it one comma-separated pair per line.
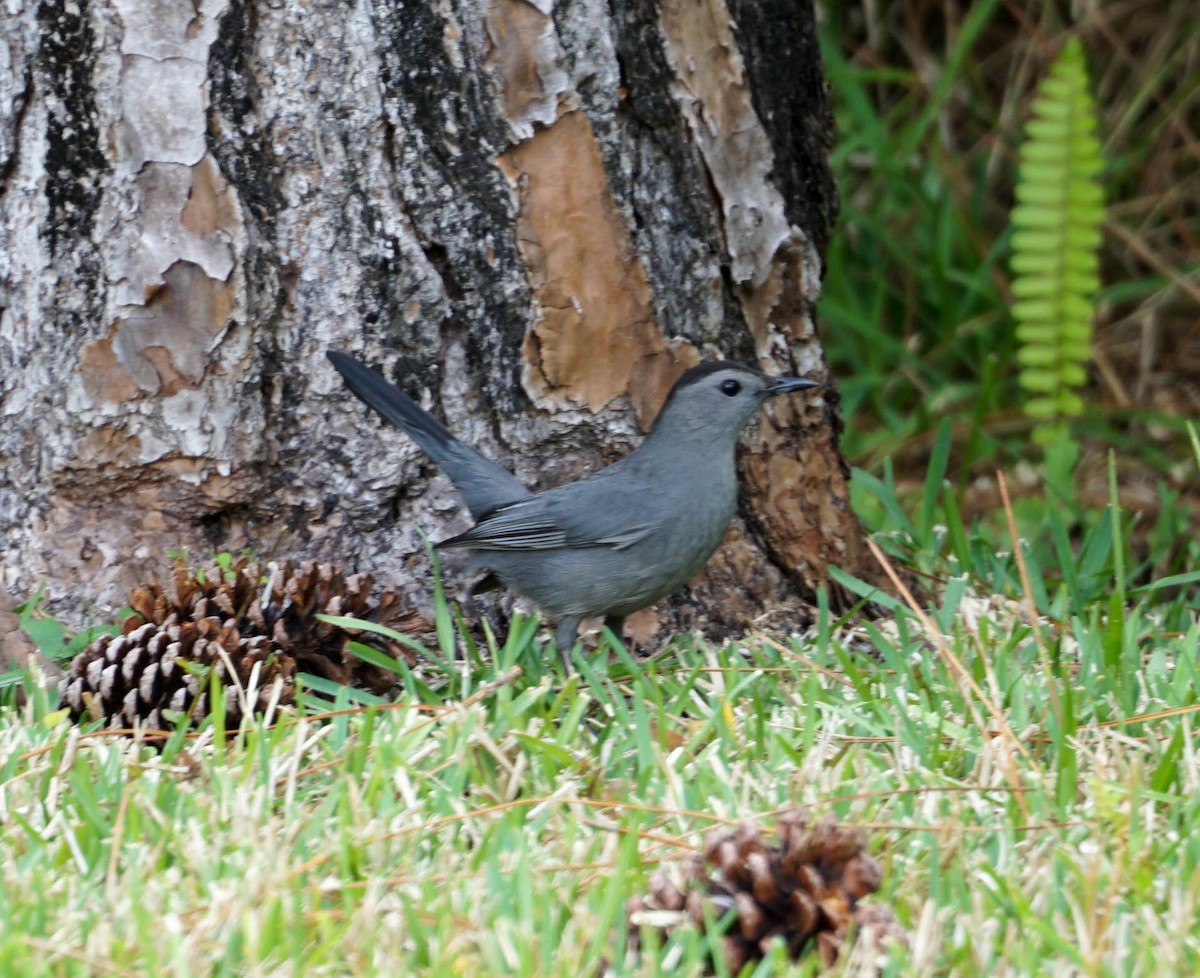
x,y
295,596
136,676
228,621
804,889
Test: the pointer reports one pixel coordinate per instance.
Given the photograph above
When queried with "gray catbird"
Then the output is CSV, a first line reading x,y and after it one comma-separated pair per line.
x,y
619,539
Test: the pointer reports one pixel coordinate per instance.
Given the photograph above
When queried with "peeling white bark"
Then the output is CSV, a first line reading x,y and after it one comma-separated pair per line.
x,y
712,91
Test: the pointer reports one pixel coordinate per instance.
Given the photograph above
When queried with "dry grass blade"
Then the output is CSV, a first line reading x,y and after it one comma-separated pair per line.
x,y
808,663
1027,593
1007,737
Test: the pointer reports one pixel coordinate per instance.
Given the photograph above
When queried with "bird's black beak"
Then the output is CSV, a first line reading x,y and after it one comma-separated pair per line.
x,y
789,385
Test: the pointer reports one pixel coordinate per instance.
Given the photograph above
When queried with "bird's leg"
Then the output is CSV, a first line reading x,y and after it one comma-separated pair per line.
x,y
564,638
616,625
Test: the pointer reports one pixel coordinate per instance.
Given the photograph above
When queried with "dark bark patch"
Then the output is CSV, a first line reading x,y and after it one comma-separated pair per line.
x,y
778,40
671,196
12,117
235,134
75,163
439,258
447,133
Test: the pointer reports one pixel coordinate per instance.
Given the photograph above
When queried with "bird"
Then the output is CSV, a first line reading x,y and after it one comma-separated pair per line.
x,y
619,539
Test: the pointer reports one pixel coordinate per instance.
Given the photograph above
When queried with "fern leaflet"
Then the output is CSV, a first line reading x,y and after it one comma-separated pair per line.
x,y
1056,237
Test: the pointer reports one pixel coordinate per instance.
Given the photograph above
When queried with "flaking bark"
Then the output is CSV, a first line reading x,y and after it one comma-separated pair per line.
x,y
534,215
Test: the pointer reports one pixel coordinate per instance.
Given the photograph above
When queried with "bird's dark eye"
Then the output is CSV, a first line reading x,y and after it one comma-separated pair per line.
x,y
730,387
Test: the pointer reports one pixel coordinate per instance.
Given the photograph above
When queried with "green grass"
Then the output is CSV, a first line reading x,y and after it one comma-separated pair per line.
x,y
1028,782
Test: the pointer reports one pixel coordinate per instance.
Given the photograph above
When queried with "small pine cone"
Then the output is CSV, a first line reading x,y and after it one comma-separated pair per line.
x,y
140,677
803,887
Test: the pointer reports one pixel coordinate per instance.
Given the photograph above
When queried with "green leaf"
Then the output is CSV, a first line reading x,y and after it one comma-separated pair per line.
x,y
48,634
1055,238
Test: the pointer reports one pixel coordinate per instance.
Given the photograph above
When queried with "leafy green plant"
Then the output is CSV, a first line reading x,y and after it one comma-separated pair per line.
x,y
912,305
915,307
1055,241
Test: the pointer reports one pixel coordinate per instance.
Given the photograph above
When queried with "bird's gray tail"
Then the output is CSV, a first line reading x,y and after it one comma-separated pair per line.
x,y
483,483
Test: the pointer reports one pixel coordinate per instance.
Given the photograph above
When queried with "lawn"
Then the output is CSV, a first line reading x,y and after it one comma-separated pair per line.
x,y
1026,779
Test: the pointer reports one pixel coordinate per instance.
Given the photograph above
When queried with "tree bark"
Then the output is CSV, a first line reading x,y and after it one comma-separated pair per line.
x,y
533,215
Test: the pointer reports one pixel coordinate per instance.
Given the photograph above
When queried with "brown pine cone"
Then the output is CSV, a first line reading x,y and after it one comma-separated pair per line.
x,y
227,621
140,676
803,888
291,601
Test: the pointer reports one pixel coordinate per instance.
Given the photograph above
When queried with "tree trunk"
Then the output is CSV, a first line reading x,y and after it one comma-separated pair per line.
x,y
533,215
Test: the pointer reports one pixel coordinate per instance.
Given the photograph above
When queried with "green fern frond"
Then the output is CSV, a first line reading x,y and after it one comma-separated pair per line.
x,y
1056,240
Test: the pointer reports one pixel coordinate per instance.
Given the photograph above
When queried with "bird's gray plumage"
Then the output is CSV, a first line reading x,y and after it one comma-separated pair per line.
x,y
621,538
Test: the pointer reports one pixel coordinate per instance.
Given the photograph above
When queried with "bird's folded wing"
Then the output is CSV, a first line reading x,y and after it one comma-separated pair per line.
x,y
557,519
